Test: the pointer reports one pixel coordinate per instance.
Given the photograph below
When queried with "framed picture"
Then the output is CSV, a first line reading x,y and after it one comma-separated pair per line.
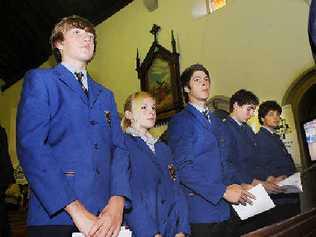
x,y
159,75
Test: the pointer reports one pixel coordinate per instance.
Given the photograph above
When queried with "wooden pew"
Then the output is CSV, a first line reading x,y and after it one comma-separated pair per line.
x,y
302,225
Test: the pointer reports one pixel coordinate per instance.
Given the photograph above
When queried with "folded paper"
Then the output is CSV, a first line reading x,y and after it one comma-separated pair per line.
x,y
262,203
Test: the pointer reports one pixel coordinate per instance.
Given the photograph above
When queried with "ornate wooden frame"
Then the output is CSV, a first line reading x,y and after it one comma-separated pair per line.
x,y
159,74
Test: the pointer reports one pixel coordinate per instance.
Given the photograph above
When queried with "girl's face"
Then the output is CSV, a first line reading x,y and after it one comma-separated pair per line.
x,y
143,114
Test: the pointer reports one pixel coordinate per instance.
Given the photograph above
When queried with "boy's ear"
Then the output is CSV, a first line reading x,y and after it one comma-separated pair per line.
x,y
59,45
186,89
235,106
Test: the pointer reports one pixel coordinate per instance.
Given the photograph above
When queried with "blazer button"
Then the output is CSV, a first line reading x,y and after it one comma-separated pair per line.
x,y
96,146
92,122
97,171
163,201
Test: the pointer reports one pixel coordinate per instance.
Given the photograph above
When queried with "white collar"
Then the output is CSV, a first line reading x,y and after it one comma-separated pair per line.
x,y
71,69
239,123
199,107
149,139
272,131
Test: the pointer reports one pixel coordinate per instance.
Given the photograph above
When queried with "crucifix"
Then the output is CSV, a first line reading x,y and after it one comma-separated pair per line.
x,y
154,31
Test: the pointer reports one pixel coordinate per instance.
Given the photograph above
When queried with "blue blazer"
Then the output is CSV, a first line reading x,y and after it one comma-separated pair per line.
x,y
272,157
199,148
243,148
67,145
159,205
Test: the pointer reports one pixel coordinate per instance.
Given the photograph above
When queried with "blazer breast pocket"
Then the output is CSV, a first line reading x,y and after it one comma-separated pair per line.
x,y
70,176
108,118
104,119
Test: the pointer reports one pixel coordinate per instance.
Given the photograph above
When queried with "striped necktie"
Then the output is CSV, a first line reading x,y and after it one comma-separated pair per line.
x,y
207,115
80,76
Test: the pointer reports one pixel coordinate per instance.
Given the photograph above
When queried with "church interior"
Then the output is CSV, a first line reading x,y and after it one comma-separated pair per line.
x,y
261,46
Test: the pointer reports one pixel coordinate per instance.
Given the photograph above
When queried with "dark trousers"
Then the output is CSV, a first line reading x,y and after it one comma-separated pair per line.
x,y
221,229
5,230
275,215
51,231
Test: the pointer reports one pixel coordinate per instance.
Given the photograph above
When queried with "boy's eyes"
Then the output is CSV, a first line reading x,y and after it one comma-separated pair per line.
x,y
197,79
251,108
76,31
273,114
79,32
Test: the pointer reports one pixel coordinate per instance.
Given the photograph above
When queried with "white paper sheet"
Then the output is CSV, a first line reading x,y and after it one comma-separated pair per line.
x,y
292,184
262,203
123,233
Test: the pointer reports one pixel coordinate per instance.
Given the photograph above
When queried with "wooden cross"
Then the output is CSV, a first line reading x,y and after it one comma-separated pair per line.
x,y
155,30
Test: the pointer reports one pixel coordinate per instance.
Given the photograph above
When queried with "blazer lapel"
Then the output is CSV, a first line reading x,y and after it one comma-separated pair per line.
x,y
276,138
94,90
239,129
265,131
68,78
216,125
198,116
143,146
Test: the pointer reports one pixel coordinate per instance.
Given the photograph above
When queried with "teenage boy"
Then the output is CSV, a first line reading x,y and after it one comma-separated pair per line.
x,y
68,135
273,161
243,104
199,144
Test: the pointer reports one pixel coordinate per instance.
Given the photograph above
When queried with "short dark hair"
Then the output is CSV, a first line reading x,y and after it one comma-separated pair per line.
x,y
243,97
63,26
187,74
266,107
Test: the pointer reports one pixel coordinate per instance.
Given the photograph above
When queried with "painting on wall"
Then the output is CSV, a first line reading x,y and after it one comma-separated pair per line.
x,y
159,75
160,85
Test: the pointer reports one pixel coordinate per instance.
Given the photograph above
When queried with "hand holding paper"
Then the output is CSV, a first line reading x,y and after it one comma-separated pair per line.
x,y
292,184
262,203
236,194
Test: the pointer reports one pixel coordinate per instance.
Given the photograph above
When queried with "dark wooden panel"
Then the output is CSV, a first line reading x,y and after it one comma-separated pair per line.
x,y
302,225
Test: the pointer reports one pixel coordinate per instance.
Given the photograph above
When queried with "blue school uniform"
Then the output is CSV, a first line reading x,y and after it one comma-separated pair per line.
x,y
273,159
199,149
67,144
159,205
243,152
